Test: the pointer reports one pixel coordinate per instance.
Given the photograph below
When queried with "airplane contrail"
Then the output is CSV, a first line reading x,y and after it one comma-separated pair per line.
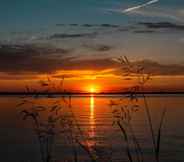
x,y
139,6
175,15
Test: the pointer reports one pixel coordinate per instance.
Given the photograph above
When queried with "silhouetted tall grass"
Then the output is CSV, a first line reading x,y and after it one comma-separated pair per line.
x,y
57,122
124,113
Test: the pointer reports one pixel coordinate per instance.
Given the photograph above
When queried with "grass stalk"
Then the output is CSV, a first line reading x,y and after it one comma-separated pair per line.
x,y
126,140
139,152
159,135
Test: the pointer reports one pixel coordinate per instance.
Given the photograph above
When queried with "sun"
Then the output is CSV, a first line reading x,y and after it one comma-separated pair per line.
x,y
92,89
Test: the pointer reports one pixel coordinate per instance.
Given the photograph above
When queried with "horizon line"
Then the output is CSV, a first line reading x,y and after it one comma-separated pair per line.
x,y
89,93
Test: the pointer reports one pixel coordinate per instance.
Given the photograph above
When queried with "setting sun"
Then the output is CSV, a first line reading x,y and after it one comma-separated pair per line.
x,y
92,89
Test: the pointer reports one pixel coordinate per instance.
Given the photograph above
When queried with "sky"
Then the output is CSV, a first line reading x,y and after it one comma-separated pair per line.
x,y
80,40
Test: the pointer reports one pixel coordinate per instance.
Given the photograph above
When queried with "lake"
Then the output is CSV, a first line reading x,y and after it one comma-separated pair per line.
x,y
95,118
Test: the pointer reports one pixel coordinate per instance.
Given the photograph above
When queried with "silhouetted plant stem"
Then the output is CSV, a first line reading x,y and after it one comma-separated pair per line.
x,y
74,150
41,149
148,114
126,140
139,151
142,78
75,154
86,149
159,135
156,143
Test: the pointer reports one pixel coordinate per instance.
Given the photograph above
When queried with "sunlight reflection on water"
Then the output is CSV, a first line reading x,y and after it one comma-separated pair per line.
x,y
95,118
92,120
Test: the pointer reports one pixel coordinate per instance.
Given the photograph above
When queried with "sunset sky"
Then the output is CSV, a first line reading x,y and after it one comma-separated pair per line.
x,y
79,40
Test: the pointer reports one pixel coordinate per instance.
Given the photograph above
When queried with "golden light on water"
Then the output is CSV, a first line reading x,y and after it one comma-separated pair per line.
x,y
92,107
92,116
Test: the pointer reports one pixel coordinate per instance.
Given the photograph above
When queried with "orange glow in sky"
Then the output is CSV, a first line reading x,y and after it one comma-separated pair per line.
x,y
82,82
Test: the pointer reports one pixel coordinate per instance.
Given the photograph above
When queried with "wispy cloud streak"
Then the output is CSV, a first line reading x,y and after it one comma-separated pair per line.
x,y
133,9
167,13
139,6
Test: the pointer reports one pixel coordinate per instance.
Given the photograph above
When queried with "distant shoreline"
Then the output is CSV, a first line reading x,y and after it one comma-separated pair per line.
x,y
84,94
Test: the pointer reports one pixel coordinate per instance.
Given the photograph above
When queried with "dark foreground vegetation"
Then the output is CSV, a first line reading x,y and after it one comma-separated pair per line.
x,y
49,122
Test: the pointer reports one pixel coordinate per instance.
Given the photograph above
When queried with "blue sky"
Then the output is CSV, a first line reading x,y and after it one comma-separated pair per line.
x,y
35,14
41,22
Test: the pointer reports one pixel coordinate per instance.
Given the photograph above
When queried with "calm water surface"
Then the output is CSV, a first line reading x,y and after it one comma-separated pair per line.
x,y
94,115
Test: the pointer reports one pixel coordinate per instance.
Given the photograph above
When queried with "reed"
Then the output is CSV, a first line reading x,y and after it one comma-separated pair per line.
x,y
124,117
56,123
65,122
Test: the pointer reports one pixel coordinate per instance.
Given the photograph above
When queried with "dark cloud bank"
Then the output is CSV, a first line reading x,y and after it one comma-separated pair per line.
x,y
152,25
90,25
162,25
77,35
31,59
139,28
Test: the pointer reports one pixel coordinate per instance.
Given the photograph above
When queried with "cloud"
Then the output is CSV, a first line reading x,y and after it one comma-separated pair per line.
x,y
90,64
162,25
101,25
77,35
144,31
107,25
88,25
27,61
85,74
181,40
139,28
66,76
17,76
59,24
23,59
73,24
31,58
98,47
175,15
155,69
139,6
153,27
